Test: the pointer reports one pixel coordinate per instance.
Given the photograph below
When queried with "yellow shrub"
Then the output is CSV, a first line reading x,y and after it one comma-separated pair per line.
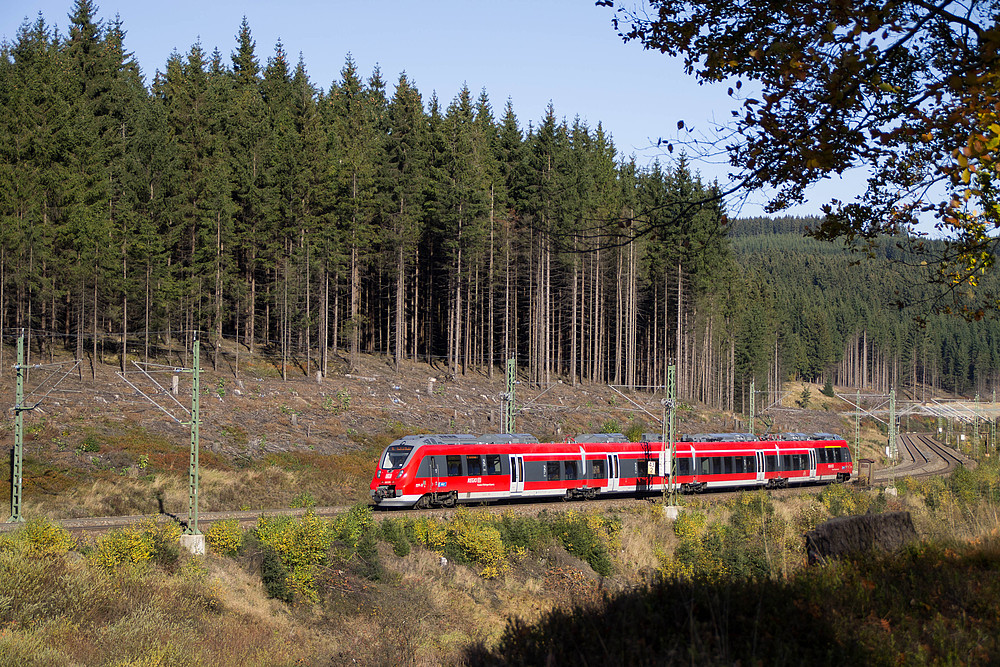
x,y
689,525
225,537
134,544
430,533
39,537
120,547
300,544
480,542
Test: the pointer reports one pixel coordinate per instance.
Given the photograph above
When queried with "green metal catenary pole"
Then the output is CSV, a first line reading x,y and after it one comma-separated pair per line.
x,y
193,468
893,449
752,385
671,410
507,420
17,472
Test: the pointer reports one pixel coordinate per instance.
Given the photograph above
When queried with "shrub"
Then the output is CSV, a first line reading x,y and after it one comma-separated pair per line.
x,y
274,576
367,552
299,544
588,537
303,500
38,537
430,533
395,534
843,500
350,527
827,389
478,541
518,531
634,431
137,544
225,537
611,426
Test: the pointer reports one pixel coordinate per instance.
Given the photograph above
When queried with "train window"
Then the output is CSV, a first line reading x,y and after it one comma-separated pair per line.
x,y
741,465
474,465
597,470
717,465
552,470
569,468
395,456
683,466
786,462
493,464
751,463
771,462
728,465
705,465
454,465
845,455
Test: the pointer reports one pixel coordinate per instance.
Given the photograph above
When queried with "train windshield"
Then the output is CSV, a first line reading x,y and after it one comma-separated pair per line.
x,y
395,456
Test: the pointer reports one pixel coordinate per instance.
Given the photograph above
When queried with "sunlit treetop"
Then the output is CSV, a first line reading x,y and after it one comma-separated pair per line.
x,y
907,89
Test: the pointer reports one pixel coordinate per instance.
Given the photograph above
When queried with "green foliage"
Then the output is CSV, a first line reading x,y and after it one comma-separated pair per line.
x,y
752,543
590,537
304,500
804,397
138,544
611,426
522,532
274,575
827,389
395,533
301,544
635,431
846,500
38,537
354,525
225,537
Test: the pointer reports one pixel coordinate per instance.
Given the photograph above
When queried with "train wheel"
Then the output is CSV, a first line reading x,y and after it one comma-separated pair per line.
x,y
423,503
451,500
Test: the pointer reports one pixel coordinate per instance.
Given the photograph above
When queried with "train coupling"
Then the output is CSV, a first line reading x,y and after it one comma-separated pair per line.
x,y
384,491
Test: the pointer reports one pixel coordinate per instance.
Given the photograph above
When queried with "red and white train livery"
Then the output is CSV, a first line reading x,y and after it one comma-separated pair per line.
x,y
443,470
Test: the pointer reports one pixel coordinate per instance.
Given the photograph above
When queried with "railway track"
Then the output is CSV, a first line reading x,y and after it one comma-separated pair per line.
x,y
922,457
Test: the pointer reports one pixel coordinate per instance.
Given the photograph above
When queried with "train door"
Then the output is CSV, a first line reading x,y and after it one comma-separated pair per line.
x,y
516,474
760,467
614,472
812,464
434,473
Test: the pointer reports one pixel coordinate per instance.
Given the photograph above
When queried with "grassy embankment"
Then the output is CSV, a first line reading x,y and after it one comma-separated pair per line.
x,y
724,583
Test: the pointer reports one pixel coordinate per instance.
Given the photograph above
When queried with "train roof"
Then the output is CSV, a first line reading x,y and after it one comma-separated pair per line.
x,y
718,437
438,439
600,437
504,438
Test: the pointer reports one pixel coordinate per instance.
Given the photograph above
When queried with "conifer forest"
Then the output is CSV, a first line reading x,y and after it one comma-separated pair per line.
x,y
317,221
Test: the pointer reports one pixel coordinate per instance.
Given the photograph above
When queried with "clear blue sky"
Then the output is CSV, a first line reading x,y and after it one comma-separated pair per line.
x,y
531,51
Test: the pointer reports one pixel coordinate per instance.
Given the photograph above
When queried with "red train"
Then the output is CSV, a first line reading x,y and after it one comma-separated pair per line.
x,y
444,470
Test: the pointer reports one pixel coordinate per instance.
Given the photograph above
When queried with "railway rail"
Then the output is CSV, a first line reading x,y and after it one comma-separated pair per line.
x,y
923,457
